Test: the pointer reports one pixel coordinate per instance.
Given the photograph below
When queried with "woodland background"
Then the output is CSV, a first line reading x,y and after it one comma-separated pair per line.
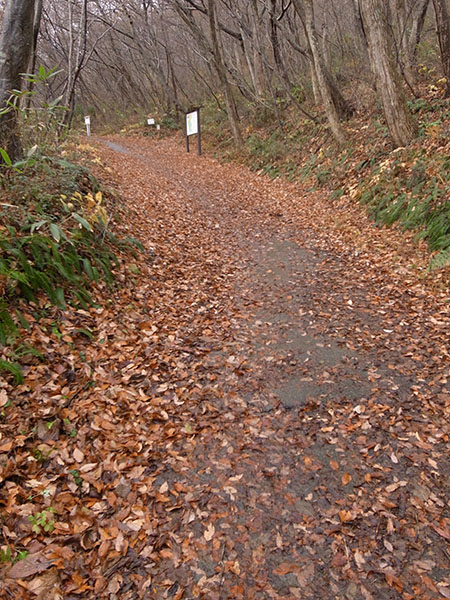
x,y
120,58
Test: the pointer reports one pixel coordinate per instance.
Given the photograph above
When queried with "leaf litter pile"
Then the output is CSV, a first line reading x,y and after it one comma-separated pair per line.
x,y
260,409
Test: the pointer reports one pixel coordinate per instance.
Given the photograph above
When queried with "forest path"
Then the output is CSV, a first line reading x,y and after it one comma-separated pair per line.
x,y
290,432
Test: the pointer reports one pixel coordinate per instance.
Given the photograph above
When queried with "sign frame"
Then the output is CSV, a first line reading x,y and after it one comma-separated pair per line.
x,y
193,127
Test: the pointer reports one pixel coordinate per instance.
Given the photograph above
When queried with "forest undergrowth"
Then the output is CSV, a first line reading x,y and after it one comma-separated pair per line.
x,y
57,250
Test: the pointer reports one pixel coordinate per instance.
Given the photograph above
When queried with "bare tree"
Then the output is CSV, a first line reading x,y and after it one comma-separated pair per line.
x,y
400,122
16,44
260,56
217,48
305,9
443,30
33,54
406,26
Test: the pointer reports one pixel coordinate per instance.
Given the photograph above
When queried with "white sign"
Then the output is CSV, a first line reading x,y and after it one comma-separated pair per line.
x,y
150,121
192,123
87,122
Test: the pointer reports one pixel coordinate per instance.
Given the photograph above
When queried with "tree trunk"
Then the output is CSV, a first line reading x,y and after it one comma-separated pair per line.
x,y
443,31
32,62
75,64
16,44
257,59
359,26
221,71
279,61
417,24
315,83
246,51
305,10
419,12
400,122
410,17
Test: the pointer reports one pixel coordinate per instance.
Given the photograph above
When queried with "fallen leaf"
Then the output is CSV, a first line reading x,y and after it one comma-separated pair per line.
x,y
209,532
3,398
78,455
345,516
346,478
30,565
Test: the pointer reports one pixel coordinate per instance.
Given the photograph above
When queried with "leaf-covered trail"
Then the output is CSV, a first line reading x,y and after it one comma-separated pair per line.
x,y
307,395
269,414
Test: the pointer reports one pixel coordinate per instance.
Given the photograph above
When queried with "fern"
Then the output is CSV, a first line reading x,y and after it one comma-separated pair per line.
x,y
440,261
8,328
14,368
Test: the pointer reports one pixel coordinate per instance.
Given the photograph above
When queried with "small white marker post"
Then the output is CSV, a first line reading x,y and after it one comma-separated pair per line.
x,y
87,122
158,127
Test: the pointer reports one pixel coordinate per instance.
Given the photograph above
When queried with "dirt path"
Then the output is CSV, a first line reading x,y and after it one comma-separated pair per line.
x,y
317,462
268,410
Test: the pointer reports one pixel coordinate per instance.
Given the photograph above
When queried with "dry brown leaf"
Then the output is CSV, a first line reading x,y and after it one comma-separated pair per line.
x,y
30,565
346,478
209,533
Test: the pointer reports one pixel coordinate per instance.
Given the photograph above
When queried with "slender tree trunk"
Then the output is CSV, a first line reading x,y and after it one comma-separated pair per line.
x,y
443,31
417,25
268,71
279,61
16,43
246,46
69,55
402,18
79,59
418,13
410,20
400,122
315,83
32,62
359,26
221,71
258,67
305,10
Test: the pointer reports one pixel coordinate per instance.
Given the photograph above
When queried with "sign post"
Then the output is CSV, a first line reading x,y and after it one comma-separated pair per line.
x,y
193,128
87,122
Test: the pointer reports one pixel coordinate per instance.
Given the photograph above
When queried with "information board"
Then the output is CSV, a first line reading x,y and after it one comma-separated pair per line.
x,y
193,128
192,123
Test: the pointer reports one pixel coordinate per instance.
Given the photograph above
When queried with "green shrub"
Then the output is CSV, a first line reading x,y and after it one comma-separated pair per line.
x,y
414,198
53,246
